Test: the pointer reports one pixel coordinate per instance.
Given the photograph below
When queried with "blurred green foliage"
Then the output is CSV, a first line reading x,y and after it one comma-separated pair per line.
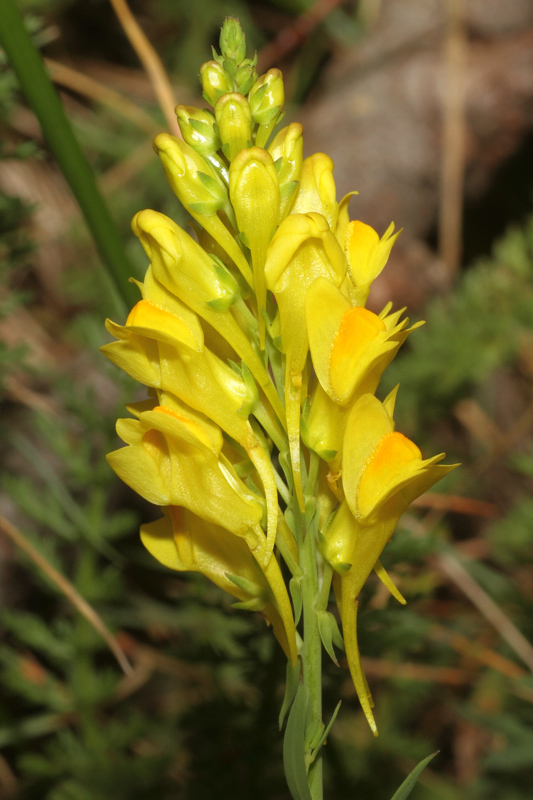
x,y
198,716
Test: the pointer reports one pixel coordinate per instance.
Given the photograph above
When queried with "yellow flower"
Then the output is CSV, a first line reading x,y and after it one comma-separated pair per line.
x,y
174,457
167,352
367,255
286,150
188,272
183,541
382,473
316,190
253,184
350,346
302,249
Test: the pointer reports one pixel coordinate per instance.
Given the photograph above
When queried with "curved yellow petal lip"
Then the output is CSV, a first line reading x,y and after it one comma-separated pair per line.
x,y
150,320
358,329
394,461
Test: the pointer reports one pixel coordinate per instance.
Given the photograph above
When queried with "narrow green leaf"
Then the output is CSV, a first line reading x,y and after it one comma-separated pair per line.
x,y
408,785
44,101
326,732
291,686
293,748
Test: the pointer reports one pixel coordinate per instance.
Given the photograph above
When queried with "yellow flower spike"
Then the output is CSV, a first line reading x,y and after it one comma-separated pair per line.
x,y
181,265
367,254
302,249
350,346
201,192
234,121
215,81
253,184
173,461
184,541
197,126
266,98
286,151
316,190
349,607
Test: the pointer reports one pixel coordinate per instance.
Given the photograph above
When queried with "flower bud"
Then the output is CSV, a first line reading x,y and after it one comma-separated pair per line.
x,y
201,192
316,190
196,185
233,40
266,97
234,122
367,254
254,184
286,151
266,101
197,129
246,76
215,81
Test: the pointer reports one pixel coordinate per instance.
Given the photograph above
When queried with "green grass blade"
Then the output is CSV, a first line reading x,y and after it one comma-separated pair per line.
x,y
44,100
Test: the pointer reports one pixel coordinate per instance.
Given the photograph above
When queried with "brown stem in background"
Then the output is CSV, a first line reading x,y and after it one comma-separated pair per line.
x,y
453,139
150,61
70,592
78,82
292,36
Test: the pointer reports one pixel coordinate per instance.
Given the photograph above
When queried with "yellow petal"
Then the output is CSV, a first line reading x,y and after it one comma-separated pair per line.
x,y
254,185
367,254
391,464
316,191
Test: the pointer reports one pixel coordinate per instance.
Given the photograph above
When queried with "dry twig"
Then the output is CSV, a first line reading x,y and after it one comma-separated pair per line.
x,y
70,592
150,61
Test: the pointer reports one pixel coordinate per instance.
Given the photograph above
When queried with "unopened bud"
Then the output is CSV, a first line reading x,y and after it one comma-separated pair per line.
x,y
246,76
234,122
193,181
287,153
233,40
215,81
197,126
267,97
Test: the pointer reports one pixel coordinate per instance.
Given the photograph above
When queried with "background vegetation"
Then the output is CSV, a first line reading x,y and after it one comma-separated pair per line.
x,y
196,715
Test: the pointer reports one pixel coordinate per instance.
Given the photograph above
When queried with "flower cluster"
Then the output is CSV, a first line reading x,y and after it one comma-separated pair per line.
x,y
262,427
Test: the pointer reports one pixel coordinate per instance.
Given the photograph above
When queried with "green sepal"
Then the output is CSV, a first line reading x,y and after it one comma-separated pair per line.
x,y
293,747
219,304
244,468
407,786
292,681
270,115
342,568
330,634
255,604
296,596
244,239
247,586
287,189
212,185
206,209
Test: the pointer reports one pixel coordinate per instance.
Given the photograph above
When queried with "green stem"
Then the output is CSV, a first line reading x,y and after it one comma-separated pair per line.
x,y
312,649
44,100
